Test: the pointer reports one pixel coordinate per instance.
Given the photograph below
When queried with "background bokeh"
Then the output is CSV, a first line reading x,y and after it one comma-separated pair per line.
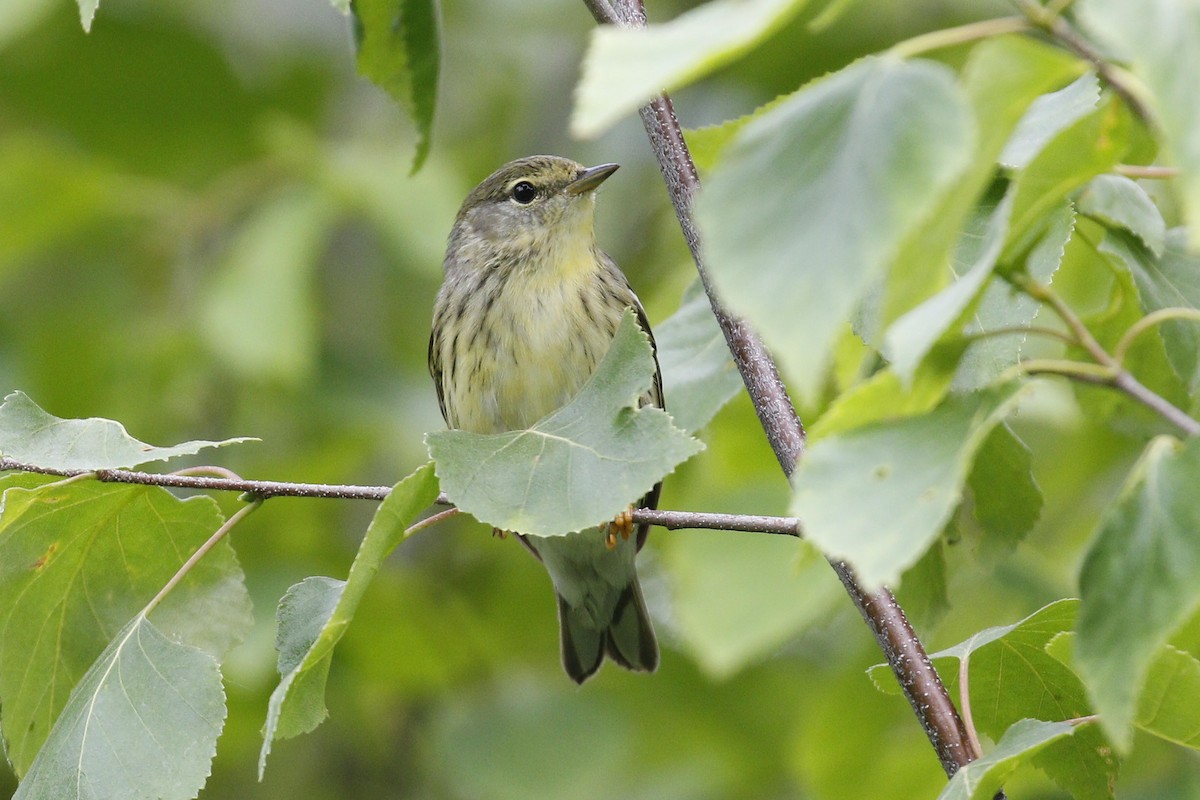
x,y
208,229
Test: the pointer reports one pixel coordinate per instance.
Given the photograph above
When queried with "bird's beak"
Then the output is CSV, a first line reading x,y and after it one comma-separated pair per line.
x,y
590,178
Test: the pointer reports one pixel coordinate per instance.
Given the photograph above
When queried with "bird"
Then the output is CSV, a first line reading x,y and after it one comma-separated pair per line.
x,y
528,307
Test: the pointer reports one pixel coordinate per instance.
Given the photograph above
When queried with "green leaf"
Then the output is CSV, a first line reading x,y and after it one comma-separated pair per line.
x,y
1082,150
1140,580
1013,676
1001,78
727,626
577,467
707,143
880,398
1047,116
30,435
1007,498
626,66
143,722
1002,307
912,336
1161,41
259,312
78,560
315,613
1170,281
866,153
1121,203
1161,371
1169,705
399,50
982,778
699,376
878,496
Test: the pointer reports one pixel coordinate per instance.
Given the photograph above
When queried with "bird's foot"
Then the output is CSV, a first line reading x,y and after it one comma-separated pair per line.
x,y
499,533
621,525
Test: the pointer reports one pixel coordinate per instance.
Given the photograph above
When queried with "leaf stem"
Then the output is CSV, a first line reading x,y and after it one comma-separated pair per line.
x,y
903,649
212,542
1146,323
962,34
964,703
1147,171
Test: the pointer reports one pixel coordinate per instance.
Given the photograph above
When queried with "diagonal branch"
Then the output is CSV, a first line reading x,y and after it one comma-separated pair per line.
x,y
900,645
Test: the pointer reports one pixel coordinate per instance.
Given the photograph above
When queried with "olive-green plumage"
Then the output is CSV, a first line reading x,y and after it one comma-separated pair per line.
x,y
528,308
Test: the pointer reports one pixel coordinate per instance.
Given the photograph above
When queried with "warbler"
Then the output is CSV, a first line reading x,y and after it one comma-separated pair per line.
x,y
527,309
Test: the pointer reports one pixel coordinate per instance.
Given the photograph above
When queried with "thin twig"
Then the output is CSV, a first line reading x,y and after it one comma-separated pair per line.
x,y
261,490
749,523
1147,171
903,650
1108,370
962,34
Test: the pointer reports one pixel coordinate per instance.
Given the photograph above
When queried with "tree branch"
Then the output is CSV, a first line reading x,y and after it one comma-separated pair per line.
x,y
903,650
1111,370
261,490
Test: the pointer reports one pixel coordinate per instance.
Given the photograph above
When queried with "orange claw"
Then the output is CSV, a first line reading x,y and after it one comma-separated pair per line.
x,y
621,524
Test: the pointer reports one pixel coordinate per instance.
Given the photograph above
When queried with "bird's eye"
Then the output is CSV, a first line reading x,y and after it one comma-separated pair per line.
x,y
524,193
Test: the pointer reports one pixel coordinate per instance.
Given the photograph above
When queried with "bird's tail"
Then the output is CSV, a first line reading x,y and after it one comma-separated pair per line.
x,y
628,639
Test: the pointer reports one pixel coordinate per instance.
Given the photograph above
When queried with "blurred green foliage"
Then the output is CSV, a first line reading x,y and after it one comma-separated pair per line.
x,y
208,229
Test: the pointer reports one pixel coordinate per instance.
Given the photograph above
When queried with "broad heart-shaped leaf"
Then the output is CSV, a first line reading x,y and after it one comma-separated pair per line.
x,y
1161,41
30,435
812,200
1047,116
143,722
877,496
1140,580
626,66
1172,281
982,778
315,613
577,467
699,376
399,50
1119,202
78,560
1012,676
